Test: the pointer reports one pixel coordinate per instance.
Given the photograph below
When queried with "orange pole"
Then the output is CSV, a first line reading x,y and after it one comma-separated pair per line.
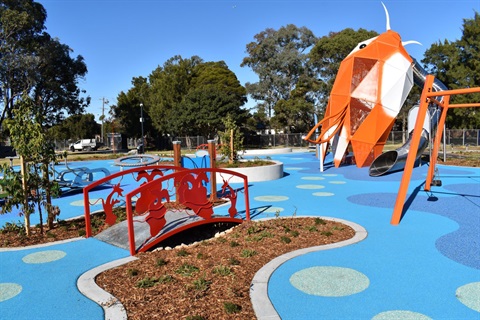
x,y
177,161
436,145
213,175
407,173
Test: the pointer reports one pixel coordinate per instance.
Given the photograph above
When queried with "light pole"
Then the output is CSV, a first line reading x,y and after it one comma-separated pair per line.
x,y
104,101
141,121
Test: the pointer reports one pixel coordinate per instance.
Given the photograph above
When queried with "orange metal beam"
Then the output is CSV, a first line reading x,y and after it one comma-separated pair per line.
x,y
407,173
436,144
428,96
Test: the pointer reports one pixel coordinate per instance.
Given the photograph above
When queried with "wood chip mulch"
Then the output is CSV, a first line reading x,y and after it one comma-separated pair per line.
x,y
210,279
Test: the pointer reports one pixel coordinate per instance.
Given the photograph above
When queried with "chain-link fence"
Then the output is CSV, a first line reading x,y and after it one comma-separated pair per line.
x,y
457,137
453,137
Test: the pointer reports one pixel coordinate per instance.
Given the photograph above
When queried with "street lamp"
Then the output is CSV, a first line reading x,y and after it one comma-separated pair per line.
x,y
141,121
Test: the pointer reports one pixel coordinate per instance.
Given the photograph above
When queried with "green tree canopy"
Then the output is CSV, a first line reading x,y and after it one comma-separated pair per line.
x,y
280,59
78,126
190,96
33,63
457,65
127,112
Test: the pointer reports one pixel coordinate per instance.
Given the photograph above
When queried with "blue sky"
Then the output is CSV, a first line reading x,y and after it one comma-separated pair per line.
x,y
122,39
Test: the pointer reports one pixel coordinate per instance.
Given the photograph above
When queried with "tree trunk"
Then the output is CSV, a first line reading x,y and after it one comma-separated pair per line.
x,y
26,212
232,159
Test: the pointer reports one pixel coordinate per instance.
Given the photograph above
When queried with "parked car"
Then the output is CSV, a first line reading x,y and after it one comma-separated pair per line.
x,y
84,145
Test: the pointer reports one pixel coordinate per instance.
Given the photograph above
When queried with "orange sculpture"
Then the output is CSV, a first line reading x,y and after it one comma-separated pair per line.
x,y
371,86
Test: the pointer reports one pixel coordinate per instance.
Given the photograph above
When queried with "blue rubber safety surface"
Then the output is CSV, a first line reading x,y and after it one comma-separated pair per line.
x,y
427,267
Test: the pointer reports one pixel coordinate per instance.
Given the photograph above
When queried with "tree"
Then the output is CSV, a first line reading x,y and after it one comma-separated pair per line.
x,y
20,22
56,90
127,110
457,65
168,86
328,53
215,93
32,62
190,96
75,127
280,59
36,152
231,140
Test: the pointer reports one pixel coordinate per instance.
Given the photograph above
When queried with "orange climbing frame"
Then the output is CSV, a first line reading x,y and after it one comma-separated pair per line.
x,y
428,96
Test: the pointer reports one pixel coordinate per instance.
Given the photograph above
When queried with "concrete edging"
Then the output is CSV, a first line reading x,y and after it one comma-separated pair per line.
x,y
262,306
255,174
112,307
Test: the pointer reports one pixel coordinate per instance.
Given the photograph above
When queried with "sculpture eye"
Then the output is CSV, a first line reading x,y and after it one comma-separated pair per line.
x,y
363,45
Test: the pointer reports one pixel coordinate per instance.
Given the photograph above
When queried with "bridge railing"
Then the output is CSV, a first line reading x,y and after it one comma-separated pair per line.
x,y
116,197
146,194
183,192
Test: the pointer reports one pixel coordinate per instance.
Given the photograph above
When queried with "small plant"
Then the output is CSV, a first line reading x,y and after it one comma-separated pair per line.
x,y
233,262
234,244
253,229
160,262
247,253
285,239
320,221
231,307
50,235
222,270
132,272
165,279
17,227
182,253
277,213
81,233
201,284
326,233
147,282
286,229
337,228
294,233
312,229
186,270
260,237
221,240
200,255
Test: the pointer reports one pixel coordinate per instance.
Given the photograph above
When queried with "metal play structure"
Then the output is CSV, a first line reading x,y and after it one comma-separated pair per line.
x,y
442,100
370,88
164,201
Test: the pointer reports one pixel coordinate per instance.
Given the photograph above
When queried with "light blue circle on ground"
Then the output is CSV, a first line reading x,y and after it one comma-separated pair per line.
x,y
329,281
44,256
313,178
310,186
400,315
469,295
9,290
337,182
274,209
293,168
271,198
79,203
323,194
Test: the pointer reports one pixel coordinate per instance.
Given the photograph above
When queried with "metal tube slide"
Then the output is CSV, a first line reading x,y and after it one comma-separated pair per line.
x,y
395,160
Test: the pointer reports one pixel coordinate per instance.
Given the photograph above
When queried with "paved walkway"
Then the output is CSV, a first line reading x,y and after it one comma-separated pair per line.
x,y
428,267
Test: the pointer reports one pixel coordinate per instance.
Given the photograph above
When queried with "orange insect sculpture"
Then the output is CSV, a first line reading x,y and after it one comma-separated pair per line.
x,y
371,86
